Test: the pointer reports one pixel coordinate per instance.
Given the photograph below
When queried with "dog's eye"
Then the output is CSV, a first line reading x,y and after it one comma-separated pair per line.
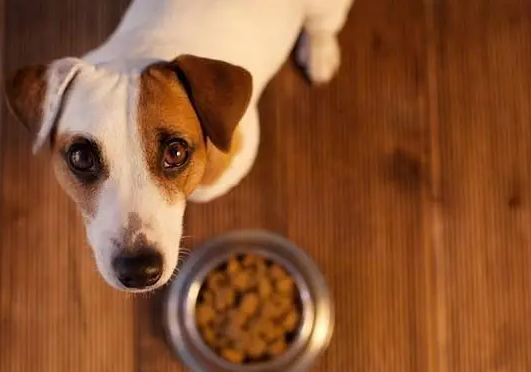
x,y
82,159
176,154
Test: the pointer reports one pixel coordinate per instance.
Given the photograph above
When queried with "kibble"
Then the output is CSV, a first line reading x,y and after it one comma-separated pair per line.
x,y
233,355
265,288
204,314
248,310
224,298
277,348
249,304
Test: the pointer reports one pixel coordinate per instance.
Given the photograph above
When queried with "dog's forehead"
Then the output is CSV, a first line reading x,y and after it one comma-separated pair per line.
x,y
112,105
99,103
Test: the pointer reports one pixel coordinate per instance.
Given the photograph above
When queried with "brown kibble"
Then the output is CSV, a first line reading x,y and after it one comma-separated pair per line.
x,y
262,323
242,342
270,310
237,317
234,326
268,330
277,348
235,332
223,341
216,280
275,307
285,286
261,268
207,297
233,266
250,260
225,298
283,304
291,321
209,336
251,274
256,348
204,314
265,288
273,333
233,355
276,272
249,304
218,320
242,281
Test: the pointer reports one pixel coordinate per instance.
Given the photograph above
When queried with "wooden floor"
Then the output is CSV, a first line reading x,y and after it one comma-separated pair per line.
x,y
408,180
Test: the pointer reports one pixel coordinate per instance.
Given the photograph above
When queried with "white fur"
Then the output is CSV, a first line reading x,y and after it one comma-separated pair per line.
x,y
255,34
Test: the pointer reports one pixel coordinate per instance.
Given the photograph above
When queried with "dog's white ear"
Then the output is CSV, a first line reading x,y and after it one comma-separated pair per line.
x,y
220,93
34,95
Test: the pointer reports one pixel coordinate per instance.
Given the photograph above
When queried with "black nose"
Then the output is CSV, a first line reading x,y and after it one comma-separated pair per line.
x,y
139,269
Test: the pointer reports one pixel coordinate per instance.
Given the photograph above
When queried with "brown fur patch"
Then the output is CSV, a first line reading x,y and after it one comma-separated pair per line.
x,y
25,92
164,108
195,99
133,239
84,195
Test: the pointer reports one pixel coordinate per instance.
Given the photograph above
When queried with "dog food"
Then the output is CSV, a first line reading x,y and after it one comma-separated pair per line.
x,y
248,310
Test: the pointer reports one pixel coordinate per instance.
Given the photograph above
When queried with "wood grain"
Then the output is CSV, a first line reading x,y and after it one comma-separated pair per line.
x,y
406,179
56,314
485,147
361,174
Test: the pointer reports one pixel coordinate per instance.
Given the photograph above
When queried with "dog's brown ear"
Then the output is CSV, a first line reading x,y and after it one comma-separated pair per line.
x,y
25,91
34,95
220,93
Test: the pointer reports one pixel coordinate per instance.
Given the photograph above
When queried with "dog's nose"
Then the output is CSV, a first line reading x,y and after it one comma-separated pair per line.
x,y
139,269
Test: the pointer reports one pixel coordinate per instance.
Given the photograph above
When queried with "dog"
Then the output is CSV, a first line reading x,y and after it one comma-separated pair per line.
x,y
165,112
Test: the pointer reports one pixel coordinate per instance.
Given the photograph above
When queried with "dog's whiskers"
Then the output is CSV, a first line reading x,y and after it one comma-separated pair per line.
x,y
185,252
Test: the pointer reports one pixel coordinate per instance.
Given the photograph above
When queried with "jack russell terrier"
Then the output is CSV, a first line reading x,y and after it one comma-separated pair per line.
x,y
163,112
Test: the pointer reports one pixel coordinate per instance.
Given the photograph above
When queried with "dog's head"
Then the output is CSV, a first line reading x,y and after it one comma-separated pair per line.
x,y
129,148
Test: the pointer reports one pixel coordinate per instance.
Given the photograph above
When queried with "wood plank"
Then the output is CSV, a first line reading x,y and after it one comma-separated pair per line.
x,y
2,56
56,314
360,148
485,139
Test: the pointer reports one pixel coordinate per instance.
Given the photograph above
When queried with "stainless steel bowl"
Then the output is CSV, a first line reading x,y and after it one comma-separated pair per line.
x,y
317,308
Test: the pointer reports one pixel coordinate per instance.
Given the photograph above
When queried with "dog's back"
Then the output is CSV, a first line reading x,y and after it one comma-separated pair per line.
x,y
255,34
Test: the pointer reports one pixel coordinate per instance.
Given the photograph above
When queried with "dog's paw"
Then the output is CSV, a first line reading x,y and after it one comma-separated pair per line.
x,y
319,55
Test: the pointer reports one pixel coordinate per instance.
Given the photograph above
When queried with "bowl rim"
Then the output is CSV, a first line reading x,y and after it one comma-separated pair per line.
x,y
315,330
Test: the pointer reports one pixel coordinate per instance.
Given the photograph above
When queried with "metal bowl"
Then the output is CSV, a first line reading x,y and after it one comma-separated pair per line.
x,y
313,335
